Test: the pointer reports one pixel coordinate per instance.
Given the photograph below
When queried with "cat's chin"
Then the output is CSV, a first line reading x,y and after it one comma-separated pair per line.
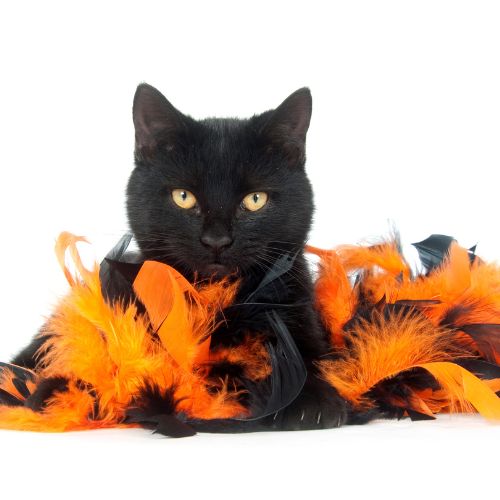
x,y
215,271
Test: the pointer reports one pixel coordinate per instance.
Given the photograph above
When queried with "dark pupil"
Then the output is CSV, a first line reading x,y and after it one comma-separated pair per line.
x,y
184,195
255,198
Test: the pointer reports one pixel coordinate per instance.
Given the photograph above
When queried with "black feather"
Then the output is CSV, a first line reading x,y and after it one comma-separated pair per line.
x,y
453,316
8,399
289,373
21,387
287,378
433,250
118,251
21,376
487,338
264,292
416,415
480,368
20,372
45,389
32,354
155,409
268,397
401,388
165,424
472,253
288,369
249,312
118,271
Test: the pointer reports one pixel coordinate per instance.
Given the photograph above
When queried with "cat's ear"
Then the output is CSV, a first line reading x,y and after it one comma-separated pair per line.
x,y
287,126
156,121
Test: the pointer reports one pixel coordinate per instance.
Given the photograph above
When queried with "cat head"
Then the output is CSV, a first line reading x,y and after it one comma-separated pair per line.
x,y
220,195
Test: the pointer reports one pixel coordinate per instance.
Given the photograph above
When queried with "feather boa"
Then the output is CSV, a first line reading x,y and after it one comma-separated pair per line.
x,y
403,344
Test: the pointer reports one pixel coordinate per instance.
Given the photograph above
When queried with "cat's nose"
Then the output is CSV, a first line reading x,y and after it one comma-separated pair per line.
x,y
216,242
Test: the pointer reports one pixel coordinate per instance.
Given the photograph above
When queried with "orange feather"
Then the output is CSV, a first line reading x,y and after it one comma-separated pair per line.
x,y
385,346
335,298
110,347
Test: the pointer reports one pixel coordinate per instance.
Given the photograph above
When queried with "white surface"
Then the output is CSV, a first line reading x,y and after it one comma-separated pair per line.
x,y
451,458
405,128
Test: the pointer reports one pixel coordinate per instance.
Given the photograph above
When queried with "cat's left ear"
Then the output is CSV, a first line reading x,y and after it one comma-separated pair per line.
x,y
286,128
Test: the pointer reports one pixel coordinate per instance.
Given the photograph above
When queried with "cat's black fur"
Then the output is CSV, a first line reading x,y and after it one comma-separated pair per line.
x,y
221,161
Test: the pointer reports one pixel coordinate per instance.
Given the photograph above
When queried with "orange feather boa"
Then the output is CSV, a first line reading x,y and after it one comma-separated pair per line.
x,y
107,353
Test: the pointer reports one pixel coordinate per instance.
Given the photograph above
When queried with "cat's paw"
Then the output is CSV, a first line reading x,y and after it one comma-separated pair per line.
x,y
318,406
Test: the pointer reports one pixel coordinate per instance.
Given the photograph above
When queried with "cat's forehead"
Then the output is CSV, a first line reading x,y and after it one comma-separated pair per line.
x,y
225,150
224,137
224,129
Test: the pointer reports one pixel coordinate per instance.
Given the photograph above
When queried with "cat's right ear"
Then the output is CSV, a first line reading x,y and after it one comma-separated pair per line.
x,y
286,127
156,121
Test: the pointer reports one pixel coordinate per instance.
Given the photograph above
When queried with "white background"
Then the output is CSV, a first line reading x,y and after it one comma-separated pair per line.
x,y
405,129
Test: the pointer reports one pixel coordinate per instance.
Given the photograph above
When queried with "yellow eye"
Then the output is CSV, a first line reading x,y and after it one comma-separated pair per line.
x,y
183,198
254,201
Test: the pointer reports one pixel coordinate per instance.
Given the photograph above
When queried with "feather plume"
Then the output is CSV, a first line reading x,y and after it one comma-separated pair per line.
x,y
387,345
335,298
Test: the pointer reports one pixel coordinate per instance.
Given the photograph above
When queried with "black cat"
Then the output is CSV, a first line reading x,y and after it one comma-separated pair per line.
x,y
229,197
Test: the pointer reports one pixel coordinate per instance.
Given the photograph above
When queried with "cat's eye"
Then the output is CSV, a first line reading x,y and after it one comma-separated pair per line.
x,y
254,201
183,198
